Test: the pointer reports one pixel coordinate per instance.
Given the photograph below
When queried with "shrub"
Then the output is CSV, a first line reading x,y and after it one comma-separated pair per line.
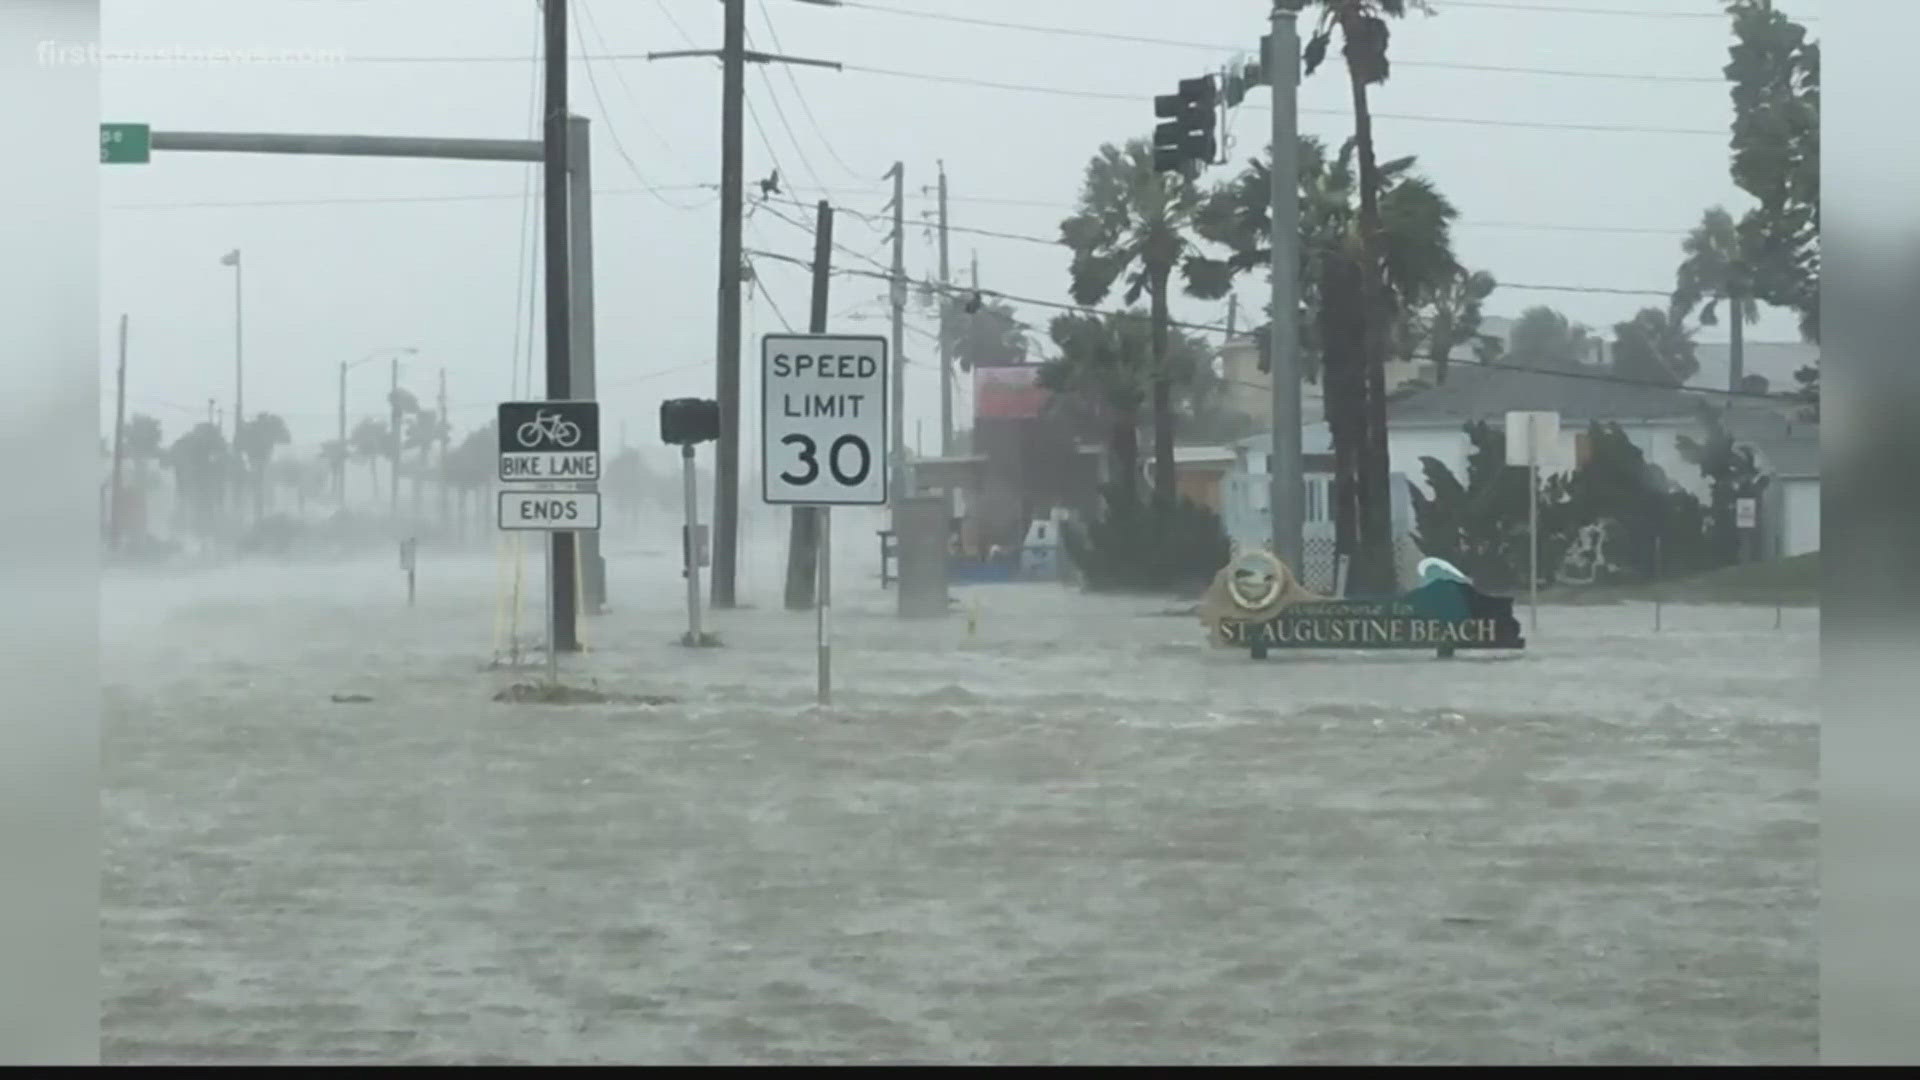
x,y
1128,549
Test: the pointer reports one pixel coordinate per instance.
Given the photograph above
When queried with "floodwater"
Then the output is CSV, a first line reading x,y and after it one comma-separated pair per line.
x,y
1052,829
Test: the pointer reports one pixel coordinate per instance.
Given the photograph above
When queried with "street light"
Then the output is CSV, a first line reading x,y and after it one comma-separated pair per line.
x,y
232,258
340,475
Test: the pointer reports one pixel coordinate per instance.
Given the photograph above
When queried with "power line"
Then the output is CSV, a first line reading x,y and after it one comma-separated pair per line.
x,y
780,113
613,133
1218,329
1521,286
675,23
586,13
767,18
1217,47
1109,95
1545,9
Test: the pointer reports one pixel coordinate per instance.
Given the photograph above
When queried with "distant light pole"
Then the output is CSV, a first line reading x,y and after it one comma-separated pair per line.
x,y
340,466
232,258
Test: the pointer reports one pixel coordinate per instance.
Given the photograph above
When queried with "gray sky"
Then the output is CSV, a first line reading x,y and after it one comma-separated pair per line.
x,y
331,281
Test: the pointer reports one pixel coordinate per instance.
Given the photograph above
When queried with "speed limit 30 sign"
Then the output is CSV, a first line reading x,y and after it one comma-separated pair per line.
x,y
824,423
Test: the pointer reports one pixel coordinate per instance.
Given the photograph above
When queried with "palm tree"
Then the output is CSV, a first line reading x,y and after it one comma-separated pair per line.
x,y
1717,268
980,331
333,455
1544,338
1451,317
1655,346
1107,360
142,444
470,466
370,442
1366,328
1436,300
257,439
200,461
1132,221
425,430
1106,364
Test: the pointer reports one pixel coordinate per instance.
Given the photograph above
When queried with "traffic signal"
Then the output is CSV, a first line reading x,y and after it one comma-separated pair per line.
x,y
1188,117
686,421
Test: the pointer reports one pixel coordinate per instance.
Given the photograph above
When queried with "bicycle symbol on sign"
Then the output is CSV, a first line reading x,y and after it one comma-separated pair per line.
x,y
550,428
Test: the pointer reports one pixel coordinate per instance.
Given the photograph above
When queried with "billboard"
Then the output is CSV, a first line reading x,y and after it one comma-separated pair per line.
x,y
1008,393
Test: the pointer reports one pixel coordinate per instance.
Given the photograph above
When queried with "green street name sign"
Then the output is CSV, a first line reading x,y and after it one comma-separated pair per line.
x,y
126,144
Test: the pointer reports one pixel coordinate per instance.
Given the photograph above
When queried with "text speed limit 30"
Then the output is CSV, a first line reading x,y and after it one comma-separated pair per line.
x,y
824,419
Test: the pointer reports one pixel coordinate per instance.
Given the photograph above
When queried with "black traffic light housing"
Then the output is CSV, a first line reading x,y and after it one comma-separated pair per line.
x,y
687,421
1188,118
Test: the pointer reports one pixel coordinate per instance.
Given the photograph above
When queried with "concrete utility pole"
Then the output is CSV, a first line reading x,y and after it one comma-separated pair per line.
x,y
1287,496
563,635
734,56
593,568
946,330
899,298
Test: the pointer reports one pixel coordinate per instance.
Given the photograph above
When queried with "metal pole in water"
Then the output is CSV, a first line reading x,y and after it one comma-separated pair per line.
x,y
823,625
1533,535
1656,583
553,613
692,545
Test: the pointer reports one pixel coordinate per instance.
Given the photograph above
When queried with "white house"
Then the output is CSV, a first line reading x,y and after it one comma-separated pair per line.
x,y
1787,448
1430,422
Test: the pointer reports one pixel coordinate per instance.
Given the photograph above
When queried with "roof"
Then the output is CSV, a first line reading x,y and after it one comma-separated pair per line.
x,y
1776,360
1786,444
1485,393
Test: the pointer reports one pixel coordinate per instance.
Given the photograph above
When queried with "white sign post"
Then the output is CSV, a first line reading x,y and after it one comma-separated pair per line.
x,y
1533,438
550,459
824,440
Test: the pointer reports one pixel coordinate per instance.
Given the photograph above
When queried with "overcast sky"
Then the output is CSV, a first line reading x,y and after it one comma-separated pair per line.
x,y
358,254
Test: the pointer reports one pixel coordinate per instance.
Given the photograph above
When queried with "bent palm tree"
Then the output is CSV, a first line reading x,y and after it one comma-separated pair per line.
x,y
1436,299
1717,268
258,439
1365,327
1132,221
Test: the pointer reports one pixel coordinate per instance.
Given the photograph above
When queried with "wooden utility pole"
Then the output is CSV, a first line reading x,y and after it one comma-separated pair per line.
x,y
116,505
733,55
946,328
803,537
899,298
726,500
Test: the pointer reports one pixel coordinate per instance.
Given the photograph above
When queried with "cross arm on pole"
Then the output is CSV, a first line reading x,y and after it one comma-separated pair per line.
x,y
751,56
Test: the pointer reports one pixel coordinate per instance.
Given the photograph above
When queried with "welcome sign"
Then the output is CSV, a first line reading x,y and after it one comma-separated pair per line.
x,y
1442,615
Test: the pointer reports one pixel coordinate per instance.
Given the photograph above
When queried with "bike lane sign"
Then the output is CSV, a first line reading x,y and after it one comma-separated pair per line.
x,y
549,442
